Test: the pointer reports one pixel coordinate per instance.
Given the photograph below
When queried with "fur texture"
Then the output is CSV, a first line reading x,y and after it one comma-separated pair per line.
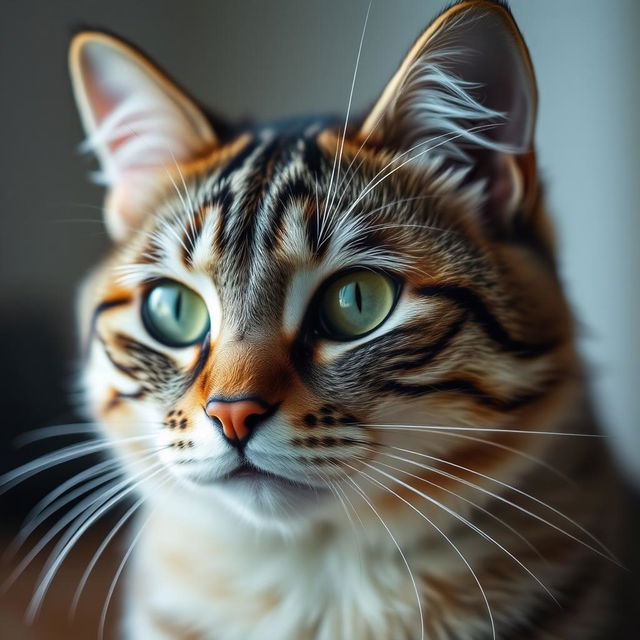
x,y
434,478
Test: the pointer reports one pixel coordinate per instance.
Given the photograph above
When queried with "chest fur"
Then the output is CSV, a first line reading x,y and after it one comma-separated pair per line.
x,y
322,587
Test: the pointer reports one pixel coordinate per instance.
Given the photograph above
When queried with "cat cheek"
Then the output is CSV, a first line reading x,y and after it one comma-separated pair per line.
x,y
176,421
326,418
119,413
179,431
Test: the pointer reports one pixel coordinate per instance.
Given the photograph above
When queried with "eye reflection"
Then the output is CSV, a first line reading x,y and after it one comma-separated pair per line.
x,y
356,303
175,315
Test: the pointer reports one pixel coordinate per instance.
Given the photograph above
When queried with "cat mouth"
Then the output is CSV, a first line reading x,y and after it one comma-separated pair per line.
x,y
249,473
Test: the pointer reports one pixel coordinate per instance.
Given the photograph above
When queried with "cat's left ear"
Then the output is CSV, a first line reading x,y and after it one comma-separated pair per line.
x,y
138,123
465,92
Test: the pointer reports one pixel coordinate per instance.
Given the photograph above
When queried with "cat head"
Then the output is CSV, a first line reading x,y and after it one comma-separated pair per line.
x,y
288,310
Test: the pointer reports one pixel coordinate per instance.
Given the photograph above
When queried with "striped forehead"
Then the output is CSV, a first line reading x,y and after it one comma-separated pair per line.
x,y
264,219
253,212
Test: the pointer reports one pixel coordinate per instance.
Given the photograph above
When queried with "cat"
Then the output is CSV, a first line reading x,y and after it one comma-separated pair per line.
x,y
336,361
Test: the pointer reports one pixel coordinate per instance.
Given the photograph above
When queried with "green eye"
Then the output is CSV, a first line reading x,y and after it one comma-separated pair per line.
x,y
355,303
175,315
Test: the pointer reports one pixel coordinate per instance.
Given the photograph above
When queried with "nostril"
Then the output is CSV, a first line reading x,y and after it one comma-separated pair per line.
x,y
252,420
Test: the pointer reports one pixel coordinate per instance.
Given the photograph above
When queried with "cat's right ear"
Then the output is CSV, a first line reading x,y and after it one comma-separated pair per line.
x,y
466,93
138,123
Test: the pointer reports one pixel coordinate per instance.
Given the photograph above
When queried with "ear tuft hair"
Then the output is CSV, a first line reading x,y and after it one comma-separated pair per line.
x,y
465,92
137,122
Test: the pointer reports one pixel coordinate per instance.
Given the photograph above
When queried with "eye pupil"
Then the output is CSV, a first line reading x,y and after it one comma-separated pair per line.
x,y
355,303
178,306
358,297
174,315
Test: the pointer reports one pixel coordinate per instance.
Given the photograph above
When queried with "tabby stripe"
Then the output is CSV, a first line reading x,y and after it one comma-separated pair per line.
x,y
313,157
375,350
103,306
393,336
460,385
237,162
288,193
312,224
366,240
242,231
225,195
192,234
138,348
119,396
304,348
128,371
431,351
152,253
470,301
201,361
222,201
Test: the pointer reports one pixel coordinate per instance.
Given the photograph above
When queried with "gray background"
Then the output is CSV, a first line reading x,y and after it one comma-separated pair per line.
x,y
281,58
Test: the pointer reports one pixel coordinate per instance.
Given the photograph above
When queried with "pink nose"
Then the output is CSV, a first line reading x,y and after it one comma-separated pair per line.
x,y
233,416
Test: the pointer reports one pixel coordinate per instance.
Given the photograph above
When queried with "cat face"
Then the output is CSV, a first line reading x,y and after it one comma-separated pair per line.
x,y
289,305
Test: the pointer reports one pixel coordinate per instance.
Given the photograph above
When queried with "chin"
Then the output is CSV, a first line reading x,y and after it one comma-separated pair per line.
x,y
273,502
267,501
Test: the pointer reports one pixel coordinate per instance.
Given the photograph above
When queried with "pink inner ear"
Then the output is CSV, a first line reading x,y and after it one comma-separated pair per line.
x,y
136,119
100,102
103,103
138,124
103,108
505,188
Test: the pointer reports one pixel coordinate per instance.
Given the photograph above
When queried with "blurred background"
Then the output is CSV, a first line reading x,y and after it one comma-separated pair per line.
x,y
270,60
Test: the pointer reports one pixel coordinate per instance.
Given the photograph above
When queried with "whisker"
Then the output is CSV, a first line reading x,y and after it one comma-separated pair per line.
x,y
608,554
513,450
191,210
86,474
34,519
119,570
395,542
96,556
71,428
76,513
365,216
355,171
68,519
399,427
29,469
345,500
169,227
37,519
43,433
513,530
376,180
315,184
344,493
465,521
444,535
334,489
186,209
373,183
51,568
331,199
